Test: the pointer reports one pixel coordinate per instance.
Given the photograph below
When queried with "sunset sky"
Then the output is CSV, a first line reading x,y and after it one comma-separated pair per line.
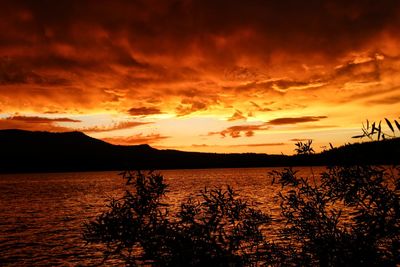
x,y
200,75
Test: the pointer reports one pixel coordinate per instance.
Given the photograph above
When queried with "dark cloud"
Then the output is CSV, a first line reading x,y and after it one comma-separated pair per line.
x,y
143,111
187,56
294,120
180,27
12,72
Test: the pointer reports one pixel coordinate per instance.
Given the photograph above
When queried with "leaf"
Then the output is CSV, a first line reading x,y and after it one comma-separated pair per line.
x,y
397,124
367,124
389,124
330,144
358,136
379,131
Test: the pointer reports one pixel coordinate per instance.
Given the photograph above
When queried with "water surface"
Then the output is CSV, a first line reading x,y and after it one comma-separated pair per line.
x,y
41,215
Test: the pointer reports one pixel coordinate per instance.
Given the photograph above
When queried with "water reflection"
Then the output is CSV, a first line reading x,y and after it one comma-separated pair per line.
x,y
41,215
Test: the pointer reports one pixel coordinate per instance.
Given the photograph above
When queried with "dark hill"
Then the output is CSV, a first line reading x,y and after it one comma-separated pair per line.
x,y
25,151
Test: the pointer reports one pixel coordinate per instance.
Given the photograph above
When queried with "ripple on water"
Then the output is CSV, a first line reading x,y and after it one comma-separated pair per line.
x,y
41,215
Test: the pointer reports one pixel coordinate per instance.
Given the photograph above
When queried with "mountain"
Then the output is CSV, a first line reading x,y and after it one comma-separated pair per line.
x,y
26,151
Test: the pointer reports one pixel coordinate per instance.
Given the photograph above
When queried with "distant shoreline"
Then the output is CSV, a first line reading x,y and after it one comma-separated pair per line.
x,y
45,152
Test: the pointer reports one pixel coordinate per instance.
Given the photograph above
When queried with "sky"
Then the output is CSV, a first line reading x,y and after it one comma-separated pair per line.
x,y
200,75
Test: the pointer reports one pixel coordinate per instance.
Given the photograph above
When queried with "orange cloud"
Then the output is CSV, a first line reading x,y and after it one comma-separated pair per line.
x,y
115,126
281,121
299,139
261,145
135,139
95,53
260,61
238,115
36,119
35,123
143,111
248,130
236,131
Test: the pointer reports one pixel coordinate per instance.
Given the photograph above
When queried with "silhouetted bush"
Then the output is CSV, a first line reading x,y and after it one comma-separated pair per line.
x,y
351,217
348,216
215,229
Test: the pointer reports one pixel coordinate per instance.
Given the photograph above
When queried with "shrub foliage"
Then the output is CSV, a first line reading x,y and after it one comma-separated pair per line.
x,y
348,216
215,229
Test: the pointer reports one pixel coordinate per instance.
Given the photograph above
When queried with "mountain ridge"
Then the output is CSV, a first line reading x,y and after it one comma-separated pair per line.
x,y
40,151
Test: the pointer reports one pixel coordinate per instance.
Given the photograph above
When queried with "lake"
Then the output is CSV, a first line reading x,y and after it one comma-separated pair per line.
x,y
41,215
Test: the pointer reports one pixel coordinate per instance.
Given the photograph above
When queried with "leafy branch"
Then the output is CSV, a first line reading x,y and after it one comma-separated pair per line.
x,y
375,131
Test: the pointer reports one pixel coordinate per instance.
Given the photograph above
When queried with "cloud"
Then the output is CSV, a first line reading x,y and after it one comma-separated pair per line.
x,y
143,111
294,120
36,119
193,100
299,139
364,69
35,123
249,130
200,58
241,145
115,126
189,106
236,131
146,47
135,139
261,144
13,72
238,115
259,108
277,87
390,100
239,73
307,27
200,145
369,96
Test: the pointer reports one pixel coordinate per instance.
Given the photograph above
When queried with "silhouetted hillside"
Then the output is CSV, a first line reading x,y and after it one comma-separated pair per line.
x,y
25,151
